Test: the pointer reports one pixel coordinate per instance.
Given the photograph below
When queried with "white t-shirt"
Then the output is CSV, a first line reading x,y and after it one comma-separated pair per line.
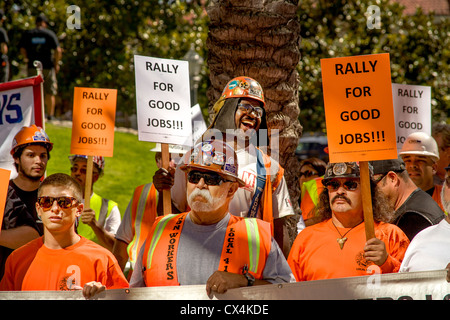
x,y
429,249
242,199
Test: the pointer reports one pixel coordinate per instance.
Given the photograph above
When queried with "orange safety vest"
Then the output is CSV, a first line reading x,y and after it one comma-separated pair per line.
x,y
437,195
267,212
247,242
143,215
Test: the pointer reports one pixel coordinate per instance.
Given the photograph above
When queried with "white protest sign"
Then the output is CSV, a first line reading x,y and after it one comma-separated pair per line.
x,y
162,99
412,110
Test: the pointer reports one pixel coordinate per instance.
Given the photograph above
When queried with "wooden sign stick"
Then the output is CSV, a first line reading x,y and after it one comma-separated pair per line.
x,y
87,187
167,201
367,199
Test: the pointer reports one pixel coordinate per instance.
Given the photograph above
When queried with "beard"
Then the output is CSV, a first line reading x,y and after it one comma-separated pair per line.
x,y
208,204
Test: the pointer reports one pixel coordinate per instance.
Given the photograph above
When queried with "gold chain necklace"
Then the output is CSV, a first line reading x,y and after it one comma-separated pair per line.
x,y
343,238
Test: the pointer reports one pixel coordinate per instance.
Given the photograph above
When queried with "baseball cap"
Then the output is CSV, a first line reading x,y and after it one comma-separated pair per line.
x,y
343,170
384,166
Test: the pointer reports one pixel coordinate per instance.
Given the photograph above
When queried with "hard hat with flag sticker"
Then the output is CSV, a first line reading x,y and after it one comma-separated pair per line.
x,y
243,87
216,156
30,135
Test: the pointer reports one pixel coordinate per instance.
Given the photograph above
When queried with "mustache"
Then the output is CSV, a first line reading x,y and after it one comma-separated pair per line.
x,y
204,193
339,196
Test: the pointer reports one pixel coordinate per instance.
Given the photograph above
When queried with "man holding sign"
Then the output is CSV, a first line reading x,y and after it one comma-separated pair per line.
x,y
336,247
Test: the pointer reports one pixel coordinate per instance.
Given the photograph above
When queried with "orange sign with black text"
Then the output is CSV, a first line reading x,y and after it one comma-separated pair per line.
x,y
94,114
4,183
359,111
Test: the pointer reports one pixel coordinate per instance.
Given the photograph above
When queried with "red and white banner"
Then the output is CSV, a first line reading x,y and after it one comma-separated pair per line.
x,y
20,105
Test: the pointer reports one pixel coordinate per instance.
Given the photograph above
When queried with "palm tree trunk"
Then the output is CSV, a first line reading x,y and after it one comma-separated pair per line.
x,y
260,39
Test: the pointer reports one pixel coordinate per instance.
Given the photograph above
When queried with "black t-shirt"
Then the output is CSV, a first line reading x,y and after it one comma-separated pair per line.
x,y
15,215
39,44
29,198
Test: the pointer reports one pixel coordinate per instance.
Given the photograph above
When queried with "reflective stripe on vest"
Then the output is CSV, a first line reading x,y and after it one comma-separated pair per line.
x,y
238,250
143,215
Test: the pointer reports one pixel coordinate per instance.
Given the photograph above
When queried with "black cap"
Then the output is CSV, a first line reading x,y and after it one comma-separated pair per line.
x,y
384,166
343,170
42,18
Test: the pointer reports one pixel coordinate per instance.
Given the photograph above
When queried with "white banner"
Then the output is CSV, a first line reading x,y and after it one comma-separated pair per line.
x,y
429,285
162,100
412,110
20,104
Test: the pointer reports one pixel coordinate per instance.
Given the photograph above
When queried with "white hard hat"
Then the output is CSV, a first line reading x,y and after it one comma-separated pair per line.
x,y
420,143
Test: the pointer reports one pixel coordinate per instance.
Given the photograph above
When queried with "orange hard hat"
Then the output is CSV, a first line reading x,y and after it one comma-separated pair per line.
x,y
216,156
30,135
243,87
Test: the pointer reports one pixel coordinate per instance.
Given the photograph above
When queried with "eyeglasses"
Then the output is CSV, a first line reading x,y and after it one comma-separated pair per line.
x,y
63,202
210,178
257,111
307,173
334,185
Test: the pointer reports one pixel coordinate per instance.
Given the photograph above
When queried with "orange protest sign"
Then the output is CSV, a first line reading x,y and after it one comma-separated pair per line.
x,y
359,110
94,113
4,182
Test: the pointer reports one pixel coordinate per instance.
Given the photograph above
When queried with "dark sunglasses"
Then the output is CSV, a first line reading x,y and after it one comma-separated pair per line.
x,y
210,178
63,202
308,174
257,111
334,185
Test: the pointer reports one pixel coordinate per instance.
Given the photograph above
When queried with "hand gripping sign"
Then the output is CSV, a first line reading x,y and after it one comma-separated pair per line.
x,y
359,115
94,113
163,105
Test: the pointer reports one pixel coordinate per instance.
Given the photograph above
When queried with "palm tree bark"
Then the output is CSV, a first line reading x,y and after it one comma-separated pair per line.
x,y
260,39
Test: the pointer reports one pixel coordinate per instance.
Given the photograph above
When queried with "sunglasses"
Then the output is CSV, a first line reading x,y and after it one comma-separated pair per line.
x,y
210,178
334,185
307,174
257,111
63,202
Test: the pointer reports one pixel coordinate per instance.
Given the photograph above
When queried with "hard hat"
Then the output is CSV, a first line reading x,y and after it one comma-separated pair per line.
x,y
420,143
343,170
30,135
216,156
243,87
98,160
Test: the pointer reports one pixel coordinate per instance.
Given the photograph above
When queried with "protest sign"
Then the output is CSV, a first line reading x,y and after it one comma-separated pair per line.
x,y
94,113
412,110
4,183
20,106
162,100
359,116
358,108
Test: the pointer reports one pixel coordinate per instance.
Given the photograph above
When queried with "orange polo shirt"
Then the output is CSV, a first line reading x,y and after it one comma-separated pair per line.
x,y
316,254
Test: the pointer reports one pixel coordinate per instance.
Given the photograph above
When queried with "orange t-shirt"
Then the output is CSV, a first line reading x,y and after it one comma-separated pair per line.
x,y
37,267
316,254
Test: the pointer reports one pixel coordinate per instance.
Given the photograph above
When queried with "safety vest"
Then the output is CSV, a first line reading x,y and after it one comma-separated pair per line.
x,y
143,215
437,195
102,208
264,188
247,243
311,191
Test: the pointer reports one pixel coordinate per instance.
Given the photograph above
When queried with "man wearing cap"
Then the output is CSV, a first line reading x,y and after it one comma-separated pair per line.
x,y
31,151
337,247
100,222
241,117
420,153
229,251
414,209
429,249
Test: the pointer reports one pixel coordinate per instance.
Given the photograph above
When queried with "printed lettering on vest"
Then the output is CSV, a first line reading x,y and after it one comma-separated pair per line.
x,y
230,246
173,238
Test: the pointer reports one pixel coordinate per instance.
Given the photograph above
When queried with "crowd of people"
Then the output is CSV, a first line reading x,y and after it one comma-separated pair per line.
x,y
228,223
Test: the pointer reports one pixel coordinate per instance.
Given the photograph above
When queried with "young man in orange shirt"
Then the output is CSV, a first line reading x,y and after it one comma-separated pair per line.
x,y
61,259
336,247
